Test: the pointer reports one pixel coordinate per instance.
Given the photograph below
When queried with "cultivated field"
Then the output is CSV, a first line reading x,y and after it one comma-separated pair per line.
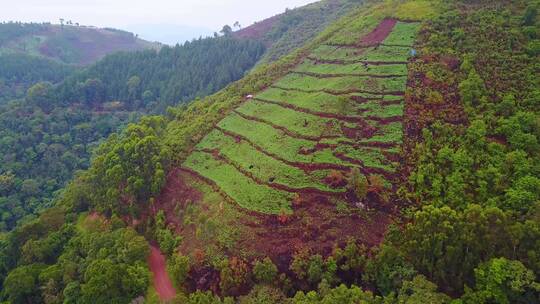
x,y
340,108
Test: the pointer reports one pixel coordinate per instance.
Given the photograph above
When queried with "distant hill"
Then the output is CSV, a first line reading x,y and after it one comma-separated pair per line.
x,y
70,44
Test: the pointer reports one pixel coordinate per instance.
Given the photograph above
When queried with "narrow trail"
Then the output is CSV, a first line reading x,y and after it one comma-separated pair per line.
x,y
162,282
379,34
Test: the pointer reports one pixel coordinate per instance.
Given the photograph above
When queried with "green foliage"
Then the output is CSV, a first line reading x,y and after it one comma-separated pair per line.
x,y
419,290
47,137
341,294
503,281
178,268
19,72
358,183
263,294
131,165
265,271
22,285
388,270
168,74
253,196
234,276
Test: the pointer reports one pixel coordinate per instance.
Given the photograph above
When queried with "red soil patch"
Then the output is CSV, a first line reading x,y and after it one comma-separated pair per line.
x,y
315,225
175,195
257,30
380,33
162,282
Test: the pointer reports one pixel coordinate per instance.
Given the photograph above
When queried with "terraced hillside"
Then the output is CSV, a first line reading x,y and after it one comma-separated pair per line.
x,y
288,155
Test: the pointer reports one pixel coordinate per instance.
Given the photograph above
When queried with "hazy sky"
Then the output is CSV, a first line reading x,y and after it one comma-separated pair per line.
x,y
211,14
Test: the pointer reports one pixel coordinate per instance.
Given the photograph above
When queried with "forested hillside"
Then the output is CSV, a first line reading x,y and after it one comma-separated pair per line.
x,y
34,52
394,158
48,135
19,72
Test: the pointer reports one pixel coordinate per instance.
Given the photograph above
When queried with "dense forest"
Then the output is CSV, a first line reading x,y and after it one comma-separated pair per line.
x,y
19,72
50,133
154,80
468,187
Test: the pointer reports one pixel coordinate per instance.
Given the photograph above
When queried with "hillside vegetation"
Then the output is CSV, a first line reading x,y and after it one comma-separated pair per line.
x,y
33,52
290,30
70,44
392,159
50,133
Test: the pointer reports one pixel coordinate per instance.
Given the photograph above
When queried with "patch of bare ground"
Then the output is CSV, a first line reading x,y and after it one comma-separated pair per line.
x,y
314,225
379,34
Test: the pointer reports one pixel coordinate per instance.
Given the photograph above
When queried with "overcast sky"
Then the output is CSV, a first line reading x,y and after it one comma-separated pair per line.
x,y
210,14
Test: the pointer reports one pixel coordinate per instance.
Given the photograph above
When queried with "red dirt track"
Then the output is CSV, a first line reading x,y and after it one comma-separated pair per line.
x,y
380,33
162,282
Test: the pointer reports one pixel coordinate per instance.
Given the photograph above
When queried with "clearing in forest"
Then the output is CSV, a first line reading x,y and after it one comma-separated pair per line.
x,y
272,176
340,108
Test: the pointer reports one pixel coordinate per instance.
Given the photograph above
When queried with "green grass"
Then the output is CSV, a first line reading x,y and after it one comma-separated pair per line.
x,y
371,158
343,84
379,97
264,152
309,66
389,133
261,165
403,34
374,108
356,27
242,189
276,142
316,101
298,122
381,53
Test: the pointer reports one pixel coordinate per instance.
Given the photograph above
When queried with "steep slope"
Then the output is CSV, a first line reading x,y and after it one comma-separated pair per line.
x,y
232,190
288,156
79,45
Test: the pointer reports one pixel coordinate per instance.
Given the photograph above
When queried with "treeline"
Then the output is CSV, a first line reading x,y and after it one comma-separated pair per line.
x,y
19,72
154,80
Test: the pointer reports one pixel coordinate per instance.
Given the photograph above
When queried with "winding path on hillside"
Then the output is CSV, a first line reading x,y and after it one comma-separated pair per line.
x,y
161,280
